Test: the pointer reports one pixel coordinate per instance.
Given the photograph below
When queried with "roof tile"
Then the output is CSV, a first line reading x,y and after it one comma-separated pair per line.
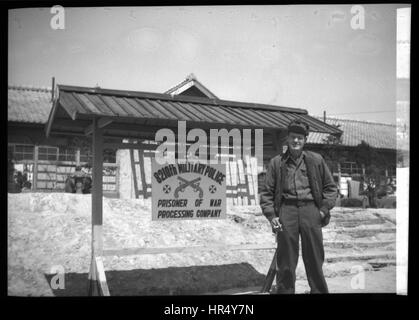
x,y
377,135
29,104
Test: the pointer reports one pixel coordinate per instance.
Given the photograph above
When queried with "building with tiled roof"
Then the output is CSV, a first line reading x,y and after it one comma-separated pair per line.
x,y
32,151
29,108
28,104
343,155
377,135
191,87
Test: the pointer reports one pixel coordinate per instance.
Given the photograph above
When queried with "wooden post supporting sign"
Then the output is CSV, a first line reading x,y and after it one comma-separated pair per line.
x,y
97,279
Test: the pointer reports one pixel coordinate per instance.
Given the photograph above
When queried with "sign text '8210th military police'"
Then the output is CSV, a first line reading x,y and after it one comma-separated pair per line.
x,y
188,191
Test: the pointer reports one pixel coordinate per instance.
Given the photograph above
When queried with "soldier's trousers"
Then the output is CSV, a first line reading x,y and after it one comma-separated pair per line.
x,y
305,221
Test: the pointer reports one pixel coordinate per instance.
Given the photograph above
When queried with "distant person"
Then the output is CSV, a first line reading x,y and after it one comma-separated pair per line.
x,y
393,185
79,180
340,195
78,172
27,185
296,198
19,180
371,193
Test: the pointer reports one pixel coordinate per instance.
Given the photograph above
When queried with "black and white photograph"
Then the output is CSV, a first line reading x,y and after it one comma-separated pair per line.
x,y
208,150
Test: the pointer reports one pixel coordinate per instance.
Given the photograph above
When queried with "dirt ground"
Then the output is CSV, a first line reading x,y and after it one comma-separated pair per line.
x,y
50,232
382,281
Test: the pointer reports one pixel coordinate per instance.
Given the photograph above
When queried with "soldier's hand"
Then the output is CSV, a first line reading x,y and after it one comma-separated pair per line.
x,y
276,225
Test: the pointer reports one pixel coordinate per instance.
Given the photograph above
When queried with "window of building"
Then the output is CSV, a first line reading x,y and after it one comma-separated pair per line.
x,y
20,152
48,153
67,154
10,151
109,156
86,156
350,168
392,171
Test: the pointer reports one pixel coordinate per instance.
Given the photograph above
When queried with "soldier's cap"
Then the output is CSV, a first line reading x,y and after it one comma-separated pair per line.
x,y
298,126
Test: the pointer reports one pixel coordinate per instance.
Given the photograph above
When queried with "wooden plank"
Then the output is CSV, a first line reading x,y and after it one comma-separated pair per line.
x,y
61,178
154,104
176,110
136,156
254,173
270,275
190,249
109,179
101,277
107,164
72,104
250,116
35,168
46,176
92,277
252,182
188,113
124,103
134,175
65,123
147,172
138,178
101,123
148,111
84,98
117,175
102,105
142,172
196,110
97,189
275,116
63,170
233,172
140,146
242,180
51,119
117,105
249,182
228,185
77,156
233,117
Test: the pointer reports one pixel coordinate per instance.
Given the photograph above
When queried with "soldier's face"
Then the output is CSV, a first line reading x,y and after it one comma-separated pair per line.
x,y
296,141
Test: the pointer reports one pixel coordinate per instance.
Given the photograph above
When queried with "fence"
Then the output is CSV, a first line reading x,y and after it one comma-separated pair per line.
x,y
47,168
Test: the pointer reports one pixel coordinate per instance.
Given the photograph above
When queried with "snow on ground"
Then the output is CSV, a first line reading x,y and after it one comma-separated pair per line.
x,y
54,229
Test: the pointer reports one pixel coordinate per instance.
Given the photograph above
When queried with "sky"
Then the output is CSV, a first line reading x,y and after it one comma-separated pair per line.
x,y
296,56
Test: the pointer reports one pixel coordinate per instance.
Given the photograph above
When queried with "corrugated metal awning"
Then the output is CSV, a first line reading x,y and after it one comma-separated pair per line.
x,y
154,109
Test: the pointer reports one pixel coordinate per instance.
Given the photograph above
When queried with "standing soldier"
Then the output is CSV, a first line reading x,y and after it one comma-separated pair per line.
x,y
296,198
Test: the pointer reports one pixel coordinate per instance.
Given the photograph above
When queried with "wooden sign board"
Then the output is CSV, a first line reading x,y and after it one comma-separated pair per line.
x,y
188,191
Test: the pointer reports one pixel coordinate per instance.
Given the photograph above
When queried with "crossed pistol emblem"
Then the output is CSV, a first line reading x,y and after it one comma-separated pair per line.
x,y
183,184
